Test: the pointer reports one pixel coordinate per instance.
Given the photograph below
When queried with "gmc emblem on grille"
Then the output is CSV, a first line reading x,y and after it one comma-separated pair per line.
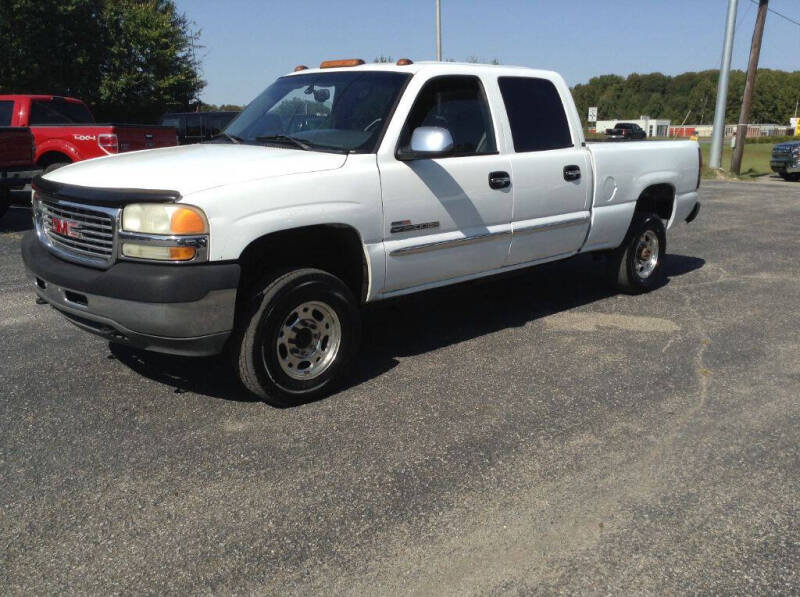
x,y
65,227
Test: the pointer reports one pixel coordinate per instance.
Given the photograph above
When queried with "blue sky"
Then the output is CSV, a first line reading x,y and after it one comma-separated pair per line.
x,y
250,43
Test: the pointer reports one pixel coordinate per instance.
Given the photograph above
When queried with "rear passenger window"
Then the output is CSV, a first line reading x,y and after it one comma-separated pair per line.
x,y
194,126
6,108
536,113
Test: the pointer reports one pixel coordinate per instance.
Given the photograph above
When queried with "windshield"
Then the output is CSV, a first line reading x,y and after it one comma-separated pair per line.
x,y
342,111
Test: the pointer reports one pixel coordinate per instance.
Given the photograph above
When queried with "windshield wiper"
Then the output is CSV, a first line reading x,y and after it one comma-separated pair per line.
x,y
293,140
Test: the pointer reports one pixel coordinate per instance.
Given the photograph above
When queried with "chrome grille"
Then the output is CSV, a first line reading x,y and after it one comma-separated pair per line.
x,y
81,233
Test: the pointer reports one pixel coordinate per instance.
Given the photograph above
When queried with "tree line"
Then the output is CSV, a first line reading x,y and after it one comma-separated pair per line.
x,y
661,96
130,60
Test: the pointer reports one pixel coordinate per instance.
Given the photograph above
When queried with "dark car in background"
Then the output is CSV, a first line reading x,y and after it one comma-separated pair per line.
x,y
785,160
195,127
17,151
626,130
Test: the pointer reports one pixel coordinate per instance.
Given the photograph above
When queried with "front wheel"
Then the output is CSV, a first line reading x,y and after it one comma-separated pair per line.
x,y
635,266
298,337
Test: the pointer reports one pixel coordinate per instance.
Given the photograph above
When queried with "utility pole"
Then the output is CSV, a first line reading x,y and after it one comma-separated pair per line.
x,y
718,131
439,30
749,86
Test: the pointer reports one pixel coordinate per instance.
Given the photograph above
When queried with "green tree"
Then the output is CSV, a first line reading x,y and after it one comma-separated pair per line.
x,y
128,59
661,96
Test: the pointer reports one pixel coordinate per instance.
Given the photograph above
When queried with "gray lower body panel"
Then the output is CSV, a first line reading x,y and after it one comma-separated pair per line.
x,y
196,328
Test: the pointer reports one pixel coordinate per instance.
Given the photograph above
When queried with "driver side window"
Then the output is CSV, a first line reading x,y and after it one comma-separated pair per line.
x,y
458,104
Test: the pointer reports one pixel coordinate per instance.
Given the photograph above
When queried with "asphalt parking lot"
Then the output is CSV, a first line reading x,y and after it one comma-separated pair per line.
x,y
534,434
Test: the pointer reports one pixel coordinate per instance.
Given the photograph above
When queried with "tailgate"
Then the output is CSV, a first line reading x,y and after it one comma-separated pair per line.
x,y
16,147
134,138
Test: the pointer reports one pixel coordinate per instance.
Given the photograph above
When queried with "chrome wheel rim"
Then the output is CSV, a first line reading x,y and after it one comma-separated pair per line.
x,y
646,254
308,340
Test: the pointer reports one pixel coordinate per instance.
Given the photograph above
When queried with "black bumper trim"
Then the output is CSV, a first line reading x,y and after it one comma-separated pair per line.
x,y
141,282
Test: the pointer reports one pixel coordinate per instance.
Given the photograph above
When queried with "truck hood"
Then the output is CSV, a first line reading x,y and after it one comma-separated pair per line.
x,y
789,146
192,168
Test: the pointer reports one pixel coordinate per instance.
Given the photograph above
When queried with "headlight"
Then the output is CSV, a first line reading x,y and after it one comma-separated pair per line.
x,y
158,218
164,232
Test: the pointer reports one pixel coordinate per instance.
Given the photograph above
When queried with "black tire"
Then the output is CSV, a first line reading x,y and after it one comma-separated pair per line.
x,y
627,270
55,166
785,175
261,358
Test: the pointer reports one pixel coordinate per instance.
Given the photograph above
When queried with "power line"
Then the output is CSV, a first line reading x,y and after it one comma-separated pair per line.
x,y
781,15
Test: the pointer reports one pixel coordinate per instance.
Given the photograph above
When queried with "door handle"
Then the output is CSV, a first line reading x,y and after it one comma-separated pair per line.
x,y
499,180
572,172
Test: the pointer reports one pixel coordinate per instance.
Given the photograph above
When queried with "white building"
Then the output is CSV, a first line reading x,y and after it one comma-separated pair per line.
x,y
654,127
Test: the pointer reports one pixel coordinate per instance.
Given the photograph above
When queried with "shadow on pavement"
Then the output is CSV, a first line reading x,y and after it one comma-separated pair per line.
x,y
422,322
17,219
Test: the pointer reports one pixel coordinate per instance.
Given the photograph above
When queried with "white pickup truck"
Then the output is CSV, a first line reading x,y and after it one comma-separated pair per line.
x,y
338,186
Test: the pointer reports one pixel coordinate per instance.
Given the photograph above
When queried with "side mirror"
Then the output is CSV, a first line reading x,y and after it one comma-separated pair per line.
x,y
427,142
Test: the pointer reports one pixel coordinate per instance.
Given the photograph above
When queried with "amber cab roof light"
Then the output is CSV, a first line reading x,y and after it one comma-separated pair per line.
x,y
404,62
341,63
300,67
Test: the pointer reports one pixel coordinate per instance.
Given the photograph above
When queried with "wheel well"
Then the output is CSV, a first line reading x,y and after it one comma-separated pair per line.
x,y
657,199
334,248
52,157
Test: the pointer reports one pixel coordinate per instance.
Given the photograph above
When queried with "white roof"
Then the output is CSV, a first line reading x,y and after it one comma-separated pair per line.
x,y
444,67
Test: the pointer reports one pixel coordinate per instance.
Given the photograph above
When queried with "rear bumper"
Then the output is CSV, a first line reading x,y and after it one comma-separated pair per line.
x,y
18,177
686,205
140,310
693,214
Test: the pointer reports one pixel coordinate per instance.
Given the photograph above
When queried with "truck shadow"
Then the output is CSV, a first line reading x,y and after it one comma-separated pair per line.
x,y
420,323
18,218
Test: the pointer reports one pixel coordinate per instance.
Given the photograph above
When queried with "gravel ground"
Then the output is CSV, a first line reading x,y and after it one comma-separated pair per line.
x,y
535,434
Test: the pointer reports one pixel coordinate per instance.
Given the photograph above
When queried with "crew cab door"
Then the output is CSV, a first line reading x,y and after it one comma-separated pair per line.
x,y
550,171
447,217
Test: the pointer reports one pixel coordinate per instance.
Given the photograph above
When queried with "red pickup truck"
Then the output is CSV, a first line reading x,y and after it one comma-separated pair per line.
x,y
16,162
64,130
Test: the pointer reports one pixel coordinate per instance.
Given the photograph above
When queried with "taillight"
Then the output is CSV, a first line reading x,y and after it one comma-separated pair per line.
x,y
699,165
108,142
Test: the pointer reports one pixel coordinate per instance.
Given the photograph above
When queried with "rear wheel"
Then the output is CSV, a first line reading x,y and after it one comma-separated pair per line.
x,y
298,337
635,266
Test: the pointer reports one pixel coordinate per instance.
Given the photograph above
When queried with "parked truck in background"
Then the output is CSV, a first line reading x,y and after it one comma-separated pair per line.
x,y
785,160
196,127
16,162
626,130
64,130
409,177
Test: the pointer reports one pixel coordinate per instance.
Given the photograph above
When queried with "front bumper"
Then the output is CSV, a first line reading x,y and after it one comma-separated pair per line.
x,y
186,310
785,166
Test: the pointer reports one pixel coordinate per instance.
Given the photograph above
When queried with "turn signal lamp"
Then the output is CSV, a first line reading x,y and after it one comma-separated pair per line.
x,y
341,63
142,251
